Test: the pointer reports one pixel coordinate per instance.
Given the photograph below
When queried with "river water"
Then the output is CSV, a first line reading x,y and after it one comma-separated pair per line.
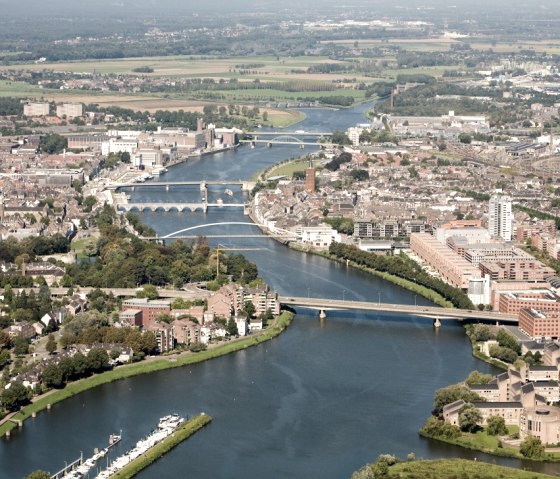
x,y
321,400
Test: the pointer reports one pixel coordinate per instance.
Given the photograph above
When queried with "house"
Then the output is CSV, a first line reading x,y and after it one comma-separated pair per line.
x,y
212,330
39,327
186,331
22,330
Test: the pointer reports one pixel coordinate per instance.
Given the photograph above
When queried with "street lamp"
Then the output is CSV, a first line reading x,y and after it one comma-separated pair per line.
x,y
308,292
378,297
415,296
343,293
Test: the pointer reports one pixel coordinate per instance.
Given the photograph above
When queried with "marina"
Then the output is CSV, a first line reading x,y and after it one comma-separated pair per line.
x,y
167,425
79,468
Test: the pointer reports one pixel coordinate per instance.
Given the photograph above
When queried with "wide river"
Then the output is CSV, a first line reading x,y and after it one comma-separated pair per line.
x,y
319,401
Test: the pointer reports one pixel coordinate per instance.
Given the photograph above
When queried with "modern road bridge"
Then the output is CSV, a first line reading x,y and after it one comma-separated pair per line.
x,y
435,313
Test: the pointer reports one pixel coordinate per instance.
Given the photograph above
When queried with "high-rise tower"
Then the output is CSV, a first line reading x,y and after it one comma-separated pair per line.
x,y
500,217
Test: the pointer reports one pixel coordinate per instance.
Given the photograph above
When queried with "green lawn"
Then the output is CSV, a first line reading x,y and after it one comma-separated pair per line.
x,y
458,469
290,168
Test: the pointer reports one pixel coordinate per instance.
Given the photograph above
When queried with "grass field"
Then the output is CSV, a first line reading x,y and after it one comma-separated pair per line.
x,y
288,169
458,469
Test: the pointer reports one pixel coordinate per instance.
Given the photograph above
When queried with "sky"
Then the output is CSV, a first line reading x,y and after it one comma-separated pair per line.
x,y
159,7
162,8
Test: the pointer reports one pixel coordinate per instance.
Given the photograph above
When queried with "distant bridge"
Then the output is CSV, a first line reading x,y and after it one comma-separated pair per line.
x,y
176,206
432,312
277,233
245,185
285,140
291,133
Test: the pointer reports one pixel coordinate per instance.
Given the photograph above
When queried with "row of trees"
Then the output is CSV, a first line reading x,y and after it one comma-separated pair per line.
x,y
75,367
402,267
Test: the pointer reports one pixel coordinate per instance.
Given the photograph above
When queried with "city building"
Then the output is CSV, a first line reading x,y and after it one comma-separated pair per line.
x,y
500,217
540,324
69,110
36,109
453,269
150,310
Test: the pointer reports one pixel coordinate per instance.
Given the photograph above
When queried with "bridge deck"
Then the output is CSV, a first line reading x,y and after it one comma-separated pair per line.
x,y
429,311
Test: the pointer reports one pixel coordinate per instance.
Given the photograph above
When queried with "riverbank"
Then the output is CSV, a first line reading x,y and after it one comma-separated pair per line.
x,y
493,445
477,353
449,468
186,430
45,401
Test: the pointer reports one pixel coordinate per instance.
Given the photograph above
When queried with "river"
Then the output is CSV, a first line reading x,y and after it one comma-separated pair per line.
x,y
321,400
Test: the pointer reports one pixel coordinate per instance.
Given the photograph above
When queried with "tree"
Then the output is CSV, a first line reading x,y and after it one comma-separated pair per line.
x,y
15,396
21,346
52,376
340,138
465,138
51,344
482,332
506,340
496,426
148,291
39,474
4,358
89,203
470,418
451,394
532,447
97,360
231,327
249,309
476,377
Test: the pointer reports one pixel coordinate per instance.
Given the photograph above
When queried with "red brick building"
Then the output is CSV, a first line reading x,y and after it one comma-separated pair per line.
x,y
540,324
150,310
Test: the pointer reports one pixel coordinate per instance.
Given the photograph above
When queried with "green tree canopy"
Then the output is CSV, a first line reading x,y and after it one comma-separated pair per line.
x,y
532,448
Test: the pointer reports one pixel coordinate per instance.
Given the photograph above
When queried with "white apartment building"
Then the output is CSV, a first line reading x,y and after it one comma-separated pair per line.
x,y
118,145
69,110
36,109
500,217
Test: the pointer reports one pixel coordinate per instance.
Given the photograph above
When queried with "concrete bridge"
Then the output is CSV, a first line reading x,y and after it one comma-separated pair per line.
x,y
285,141
202,184
300,133
433,312
176,206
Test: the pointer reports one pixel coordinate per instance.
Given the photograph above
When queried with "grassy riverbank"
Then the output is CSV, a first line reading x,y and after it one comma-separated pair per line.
x,y
145,367
458,468
483,442
187,429
477,353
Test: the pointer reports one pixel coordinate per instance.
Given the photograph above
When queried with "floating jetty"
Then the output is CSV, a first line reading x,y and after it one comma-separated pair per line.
x,y
170,431
80,468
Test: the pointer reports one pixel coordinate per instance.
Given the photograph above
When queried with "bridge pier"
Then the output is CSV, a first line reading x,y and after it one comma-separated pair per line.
x,y
166,187
437,322
269,145
322,314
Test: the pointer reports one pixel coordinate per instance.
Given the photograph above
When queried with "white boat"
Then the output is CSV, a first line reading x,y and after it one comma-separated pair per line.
x,y
228,192
166,426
